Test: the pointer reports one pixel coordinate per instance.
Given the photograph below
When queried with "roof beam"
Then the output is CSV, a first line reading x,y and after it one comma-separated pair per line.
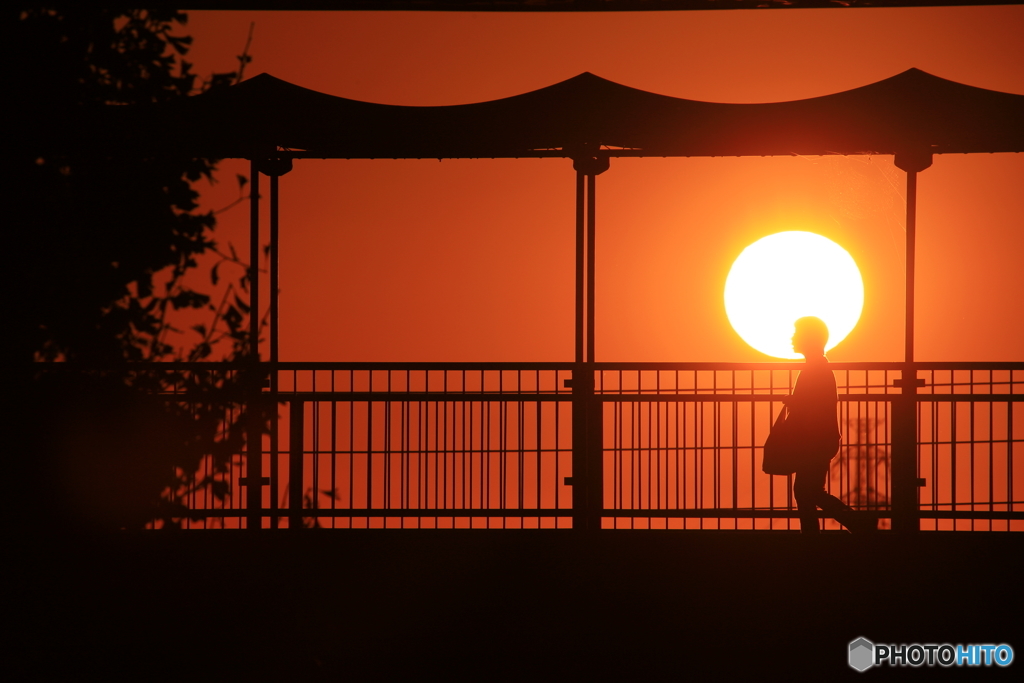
x,y
575,5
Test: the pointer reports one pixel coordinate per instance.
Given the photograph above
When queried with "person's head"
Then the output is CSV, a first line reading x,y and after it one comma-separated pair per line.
x,y
810,334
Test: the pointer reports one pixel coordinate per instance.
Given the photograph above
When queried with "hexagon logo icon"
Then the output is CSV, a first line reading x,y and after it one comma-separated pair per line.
x,y
862,654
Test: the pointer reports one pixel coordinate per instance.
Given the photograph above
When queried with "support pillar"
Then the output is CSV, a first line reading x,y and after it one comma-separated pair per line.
x,y
905,481
254,480
274,290
274,168
587,416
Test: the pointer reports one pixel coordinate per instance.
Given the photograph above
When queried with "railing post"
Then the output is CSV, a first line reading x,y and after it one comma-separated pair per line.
x,y
296,431
587,478
905,483
254,481
595,458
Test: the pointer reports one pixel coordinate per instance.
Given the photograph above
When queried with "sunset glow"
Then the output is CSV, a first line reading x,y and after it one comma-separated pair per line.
x,y
788,275
373,249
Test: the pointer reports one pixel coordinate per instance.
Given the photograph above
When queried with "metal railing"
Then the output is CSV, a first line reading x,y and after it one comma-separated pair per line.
x,y
621,445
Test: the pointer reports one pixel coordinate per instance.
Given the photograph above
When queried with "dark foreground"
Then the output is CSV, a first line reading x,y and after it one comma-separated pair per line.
x,y
503,605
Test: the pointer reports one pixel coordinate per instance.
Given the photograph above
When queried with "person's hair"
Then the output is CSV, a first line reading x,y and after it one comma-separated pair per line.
x,y
813,329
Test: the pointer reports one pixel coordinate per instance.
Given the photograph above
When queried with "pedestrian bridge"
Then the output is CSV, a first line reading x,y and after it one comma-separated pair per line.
x,y
616,445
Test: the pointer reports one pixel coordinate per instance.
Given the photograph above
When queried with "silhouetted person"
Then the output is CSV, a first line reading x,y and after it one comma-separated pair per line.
x,y
812,415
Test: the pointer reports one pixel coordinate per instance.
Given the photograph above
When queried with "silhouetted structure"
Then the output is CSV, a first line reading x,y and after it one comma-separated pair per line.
x,y
588,119
586,5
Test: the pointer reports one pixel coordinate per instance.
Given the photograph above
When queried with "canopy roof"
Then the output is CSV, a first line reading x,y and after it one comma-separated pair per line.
x,y
911,112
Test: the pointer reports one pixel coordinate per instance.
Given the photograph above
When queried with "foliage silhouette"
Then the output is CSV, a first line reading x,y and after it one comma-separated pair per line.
x,y
102,241
865,464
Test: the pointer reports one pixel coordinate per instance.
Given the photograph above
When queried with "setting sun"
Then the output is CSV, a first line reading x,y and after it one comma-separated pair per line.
x,y
788,275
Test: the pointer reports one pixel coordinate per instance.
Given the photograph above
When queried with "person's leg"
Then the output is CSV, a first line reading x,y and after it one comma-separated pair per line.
x,y
806,486
838,510
832,506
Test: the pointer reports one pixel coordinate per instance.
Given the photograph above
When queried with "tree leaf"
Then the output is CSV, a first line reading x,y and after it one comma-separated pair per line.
x,y
243,306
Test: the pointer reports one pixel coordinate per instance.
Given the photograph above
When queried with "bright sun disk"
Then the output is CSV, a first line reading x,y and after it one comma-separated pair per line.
x,y
786,276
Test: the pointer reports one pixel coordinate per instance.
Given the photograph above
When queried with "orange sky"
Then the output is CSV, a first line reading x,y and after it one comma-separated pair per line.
x,y
472,260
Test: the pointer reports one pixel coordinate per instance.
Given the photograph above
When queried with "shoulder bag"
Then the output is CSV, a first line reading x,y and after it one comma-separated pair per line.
x,y
781,448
